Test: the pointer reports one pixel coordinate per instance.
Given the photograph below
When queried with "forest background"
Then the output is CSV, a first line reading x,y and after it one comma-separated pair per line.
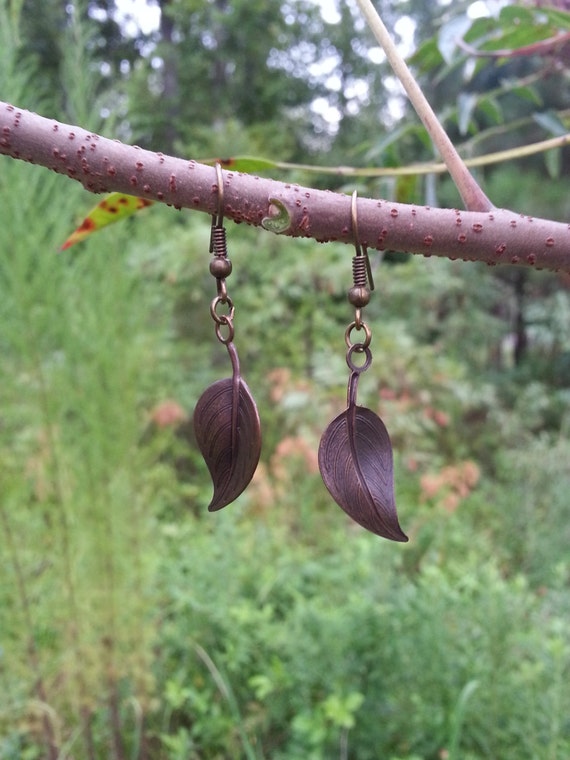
x,y
133,624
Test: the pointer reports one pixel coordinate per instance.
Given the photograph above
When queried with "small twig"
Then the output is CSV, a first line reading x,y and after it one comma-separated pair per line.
x,y
544,47
473,196
425,167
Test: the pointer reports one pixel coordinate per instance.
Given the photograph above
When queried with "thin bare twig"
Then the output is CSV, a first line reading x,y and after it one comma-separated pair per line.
x,y
473,196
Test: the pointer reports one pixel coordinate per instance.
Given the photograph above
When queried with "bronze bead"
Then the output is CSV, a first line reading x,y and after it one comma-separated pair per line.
x,y
358,296
220,267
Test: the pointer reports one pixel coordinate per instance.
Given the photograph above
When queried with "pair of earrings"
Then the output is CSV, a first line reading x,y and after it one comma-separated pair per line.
x,y
355,453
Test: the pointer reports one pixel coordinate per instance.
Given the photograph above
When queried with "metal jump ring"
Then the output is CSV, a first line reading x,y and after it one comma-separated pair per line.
x,y
226,322
359,348
362,345
222,319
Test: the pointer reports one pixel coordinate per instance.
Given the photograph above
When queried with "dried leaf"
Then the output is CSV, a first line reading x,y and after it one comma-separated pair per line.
x,y
355,458
228,432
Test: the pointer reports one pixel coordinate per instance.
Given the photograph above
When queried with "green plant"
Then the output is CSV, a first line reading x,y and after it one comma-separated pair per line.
x,y
343,650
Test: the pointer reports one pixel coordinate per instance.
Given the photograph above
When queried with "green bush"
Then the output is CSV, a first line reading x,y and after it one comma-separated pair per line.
x,y
344,650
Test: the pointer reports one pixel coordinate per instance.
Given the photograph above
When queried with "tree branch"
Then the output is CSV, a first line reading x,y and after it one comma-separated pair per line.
x,y
103,165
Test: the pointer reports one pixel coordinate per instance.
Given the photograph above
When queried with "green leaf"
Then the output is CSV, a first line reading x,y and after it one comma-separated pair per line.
x,y
449,35
551,122
492,109
247,164
381,147
515,15
406,190
340,711
480,28
466,103
553,162
559,19
427,57
520,27
113,208
528,92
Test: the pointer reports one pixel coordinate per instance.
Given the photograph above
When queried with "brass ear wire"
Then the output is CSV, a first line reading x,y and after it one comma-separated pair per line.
x,y
361,250
220,266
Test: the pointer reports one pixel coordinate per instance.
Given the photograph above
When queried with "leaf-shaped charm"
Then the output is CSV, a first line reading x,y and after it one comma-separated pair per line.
x,y
228,432
355,459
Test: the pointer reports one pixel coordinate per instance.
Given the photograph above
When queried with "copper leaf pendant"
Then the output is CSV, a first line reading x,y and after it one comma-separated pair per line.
x,y
355,459
228,432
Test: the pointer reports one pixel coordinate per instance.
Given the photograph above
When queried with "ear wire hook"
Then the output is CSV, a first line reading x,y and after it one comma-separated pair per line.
x,y
220,266
218,217
361,250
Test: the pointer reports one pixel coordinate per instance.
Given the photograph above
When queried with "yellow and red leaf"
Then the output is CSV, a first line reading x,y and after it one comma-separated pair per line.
x,y
113,208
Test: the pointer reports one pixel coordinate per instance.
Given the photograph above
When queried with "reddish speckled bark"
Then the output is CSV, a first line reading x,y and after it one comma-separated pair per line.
x,y
103,165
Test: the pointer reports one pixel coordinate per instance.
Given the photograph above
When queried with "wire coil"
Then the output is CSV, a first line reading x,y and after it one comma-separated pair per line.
x,y
219,243
359,273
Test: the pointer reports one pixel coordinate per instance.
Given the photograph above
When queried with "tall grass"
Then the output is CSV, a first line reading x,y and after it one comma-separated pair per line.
x,y
73,496
75,622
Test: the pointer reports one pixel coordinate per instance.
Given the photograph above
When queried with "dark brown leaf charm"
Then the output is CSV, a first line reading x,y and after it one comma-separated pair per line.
x,y
228,432
355,459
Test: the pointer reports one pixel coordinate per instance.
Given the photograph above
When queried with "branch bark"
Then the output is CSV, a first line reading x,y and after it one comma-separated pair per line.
x,y
102,165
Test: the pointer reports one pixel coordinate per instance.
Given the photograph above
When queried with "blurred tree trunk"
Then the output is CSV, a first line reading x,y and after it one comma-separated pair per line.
x,y
521,336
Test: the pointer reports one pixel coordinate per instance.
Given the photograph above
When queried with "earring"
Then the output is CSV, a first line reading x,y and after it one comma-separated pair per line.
x,y
226,420
355,453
